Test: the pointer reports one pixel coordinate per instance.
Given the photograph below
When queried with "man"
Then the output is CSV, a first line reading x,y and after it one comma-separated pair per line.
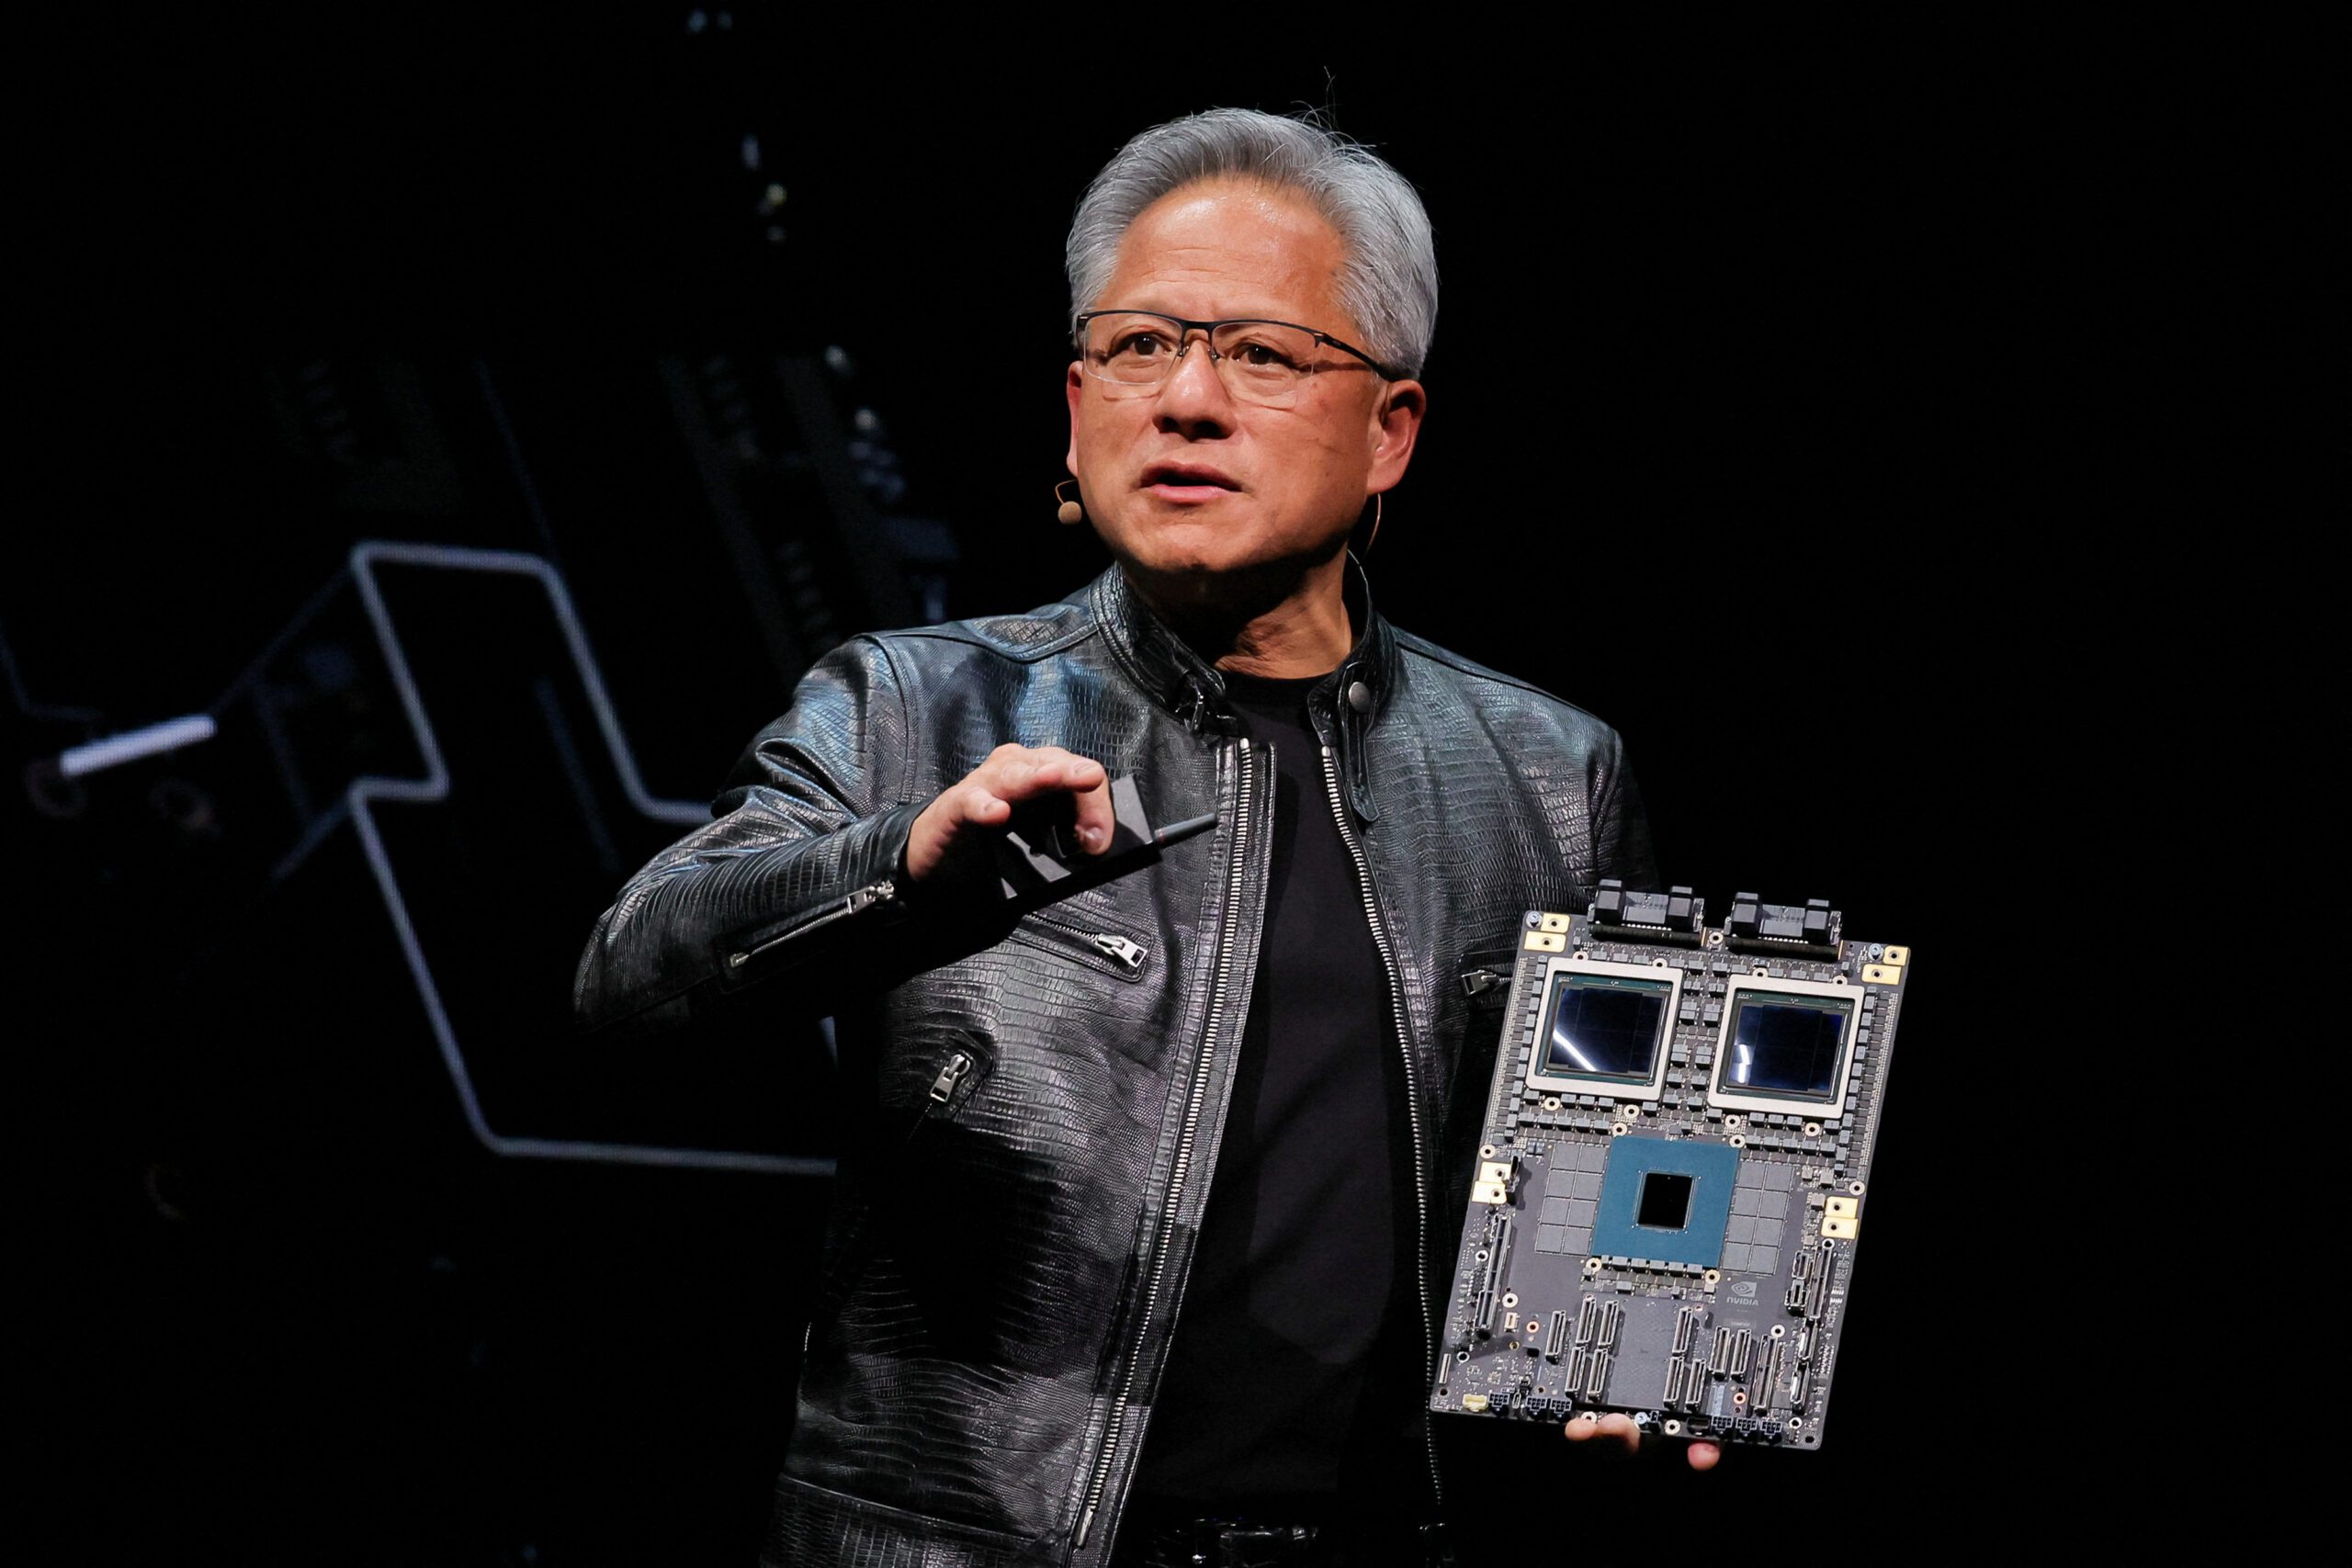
x,y
1148,1192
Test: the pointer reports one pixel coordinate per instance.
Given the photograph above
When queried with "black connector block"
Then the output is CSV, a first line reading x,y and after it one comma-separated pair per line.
x,y
1812,929
1675,910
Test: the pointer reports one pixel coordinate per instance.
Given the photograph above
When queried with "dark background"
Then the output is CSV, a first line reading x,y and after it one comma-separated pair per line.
x,y
1755,414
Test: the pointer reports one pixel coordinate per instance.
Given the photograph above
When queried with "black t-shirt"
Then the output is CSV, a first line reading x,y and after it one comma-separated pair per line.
x,y
1292,1368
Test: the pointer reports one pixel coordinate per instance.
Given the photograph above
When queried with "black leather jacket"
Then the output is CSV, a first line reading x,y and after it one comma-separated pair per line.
x,y
1036,1105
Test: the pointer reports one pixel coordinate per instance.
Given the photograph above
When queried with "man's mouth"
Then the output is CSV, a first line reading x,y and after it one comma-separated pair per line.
x,y
1187,481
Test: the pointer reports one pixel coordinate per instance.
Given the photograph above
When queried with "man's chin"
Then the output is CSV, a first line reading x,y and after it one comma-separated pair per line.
x,y
1236,578
1194,567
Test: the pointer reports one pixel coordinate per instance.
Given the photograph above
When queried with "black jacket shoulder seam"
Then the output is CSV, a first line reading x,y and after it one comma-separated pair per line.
x,y
952,632
1476,671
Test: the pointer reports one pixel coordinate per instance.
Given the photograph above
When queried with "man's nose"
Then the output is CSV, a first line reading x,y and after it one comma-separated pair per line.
x,y
1195,391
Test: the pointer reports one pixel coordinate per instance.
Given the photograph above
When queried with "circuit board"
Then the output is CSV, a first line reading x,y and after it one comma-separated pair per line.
x,y
1673,1169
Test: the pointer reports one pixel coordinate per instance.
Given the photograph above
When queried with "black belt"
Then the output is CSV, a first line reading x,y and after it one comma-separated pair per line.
x,y
1154,1539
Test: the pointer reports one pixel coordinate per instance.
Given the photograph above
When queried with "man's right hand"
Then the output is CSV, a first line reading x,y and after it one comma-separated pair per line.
x,y
978,804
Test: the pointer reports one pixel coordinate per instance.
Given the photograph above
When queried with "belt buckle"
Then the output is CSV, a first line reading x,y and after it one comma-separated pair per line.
x,y
1257,1546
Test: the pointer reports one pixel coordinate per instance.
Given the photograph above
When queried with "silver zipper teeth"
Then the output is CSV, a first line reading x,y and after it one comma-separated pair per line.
x,y
863,898
1114,1427
1412,1098
1127,954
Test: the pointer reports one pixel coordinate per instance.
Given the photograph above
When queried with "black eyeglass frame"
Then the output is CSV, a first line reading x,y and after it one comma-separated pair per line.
x,y
1208,336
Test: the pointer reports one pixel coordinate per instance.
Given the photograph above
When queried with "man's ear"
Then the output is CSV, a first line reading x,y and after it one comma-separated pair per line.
x,y
1396,425
1071,388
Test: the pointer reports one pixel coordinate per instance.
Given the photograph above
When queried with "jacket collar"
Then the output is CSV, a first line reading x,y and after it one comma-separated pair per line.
x,y
1188,686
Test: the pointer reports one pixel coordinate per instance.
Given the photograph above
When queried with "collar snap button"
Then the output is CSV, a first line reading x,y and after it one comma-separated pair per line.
x,y
1359,697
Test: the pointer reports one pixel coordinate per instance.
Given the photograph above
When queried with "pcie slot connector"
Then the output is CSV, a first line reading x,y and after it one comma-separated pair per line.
x,y
1496,1249
1686,1325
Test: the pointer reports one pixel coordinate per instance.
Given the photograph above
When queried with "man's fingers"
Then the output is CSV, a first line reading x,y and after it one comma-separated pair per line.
x,y
1041,770
1017,773
983,805
1585,1427
986,796
1095,817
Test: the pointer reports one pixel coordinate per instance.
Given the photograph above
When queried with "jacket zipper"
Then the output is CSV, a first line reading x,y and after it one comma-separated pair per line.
x,y
1479,982
943,1087
1129,954
958,1077
1114,1425
1412,1104
863,898
1125,956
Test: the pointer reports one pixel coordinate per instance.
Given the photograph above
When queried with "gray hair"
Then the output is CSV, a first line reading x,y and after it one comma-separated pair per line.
x,y
1388,284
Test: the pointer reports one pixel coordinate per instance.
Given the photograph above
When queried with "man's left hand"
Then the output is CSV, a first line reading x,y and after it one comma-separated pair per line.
x,y
1583,1428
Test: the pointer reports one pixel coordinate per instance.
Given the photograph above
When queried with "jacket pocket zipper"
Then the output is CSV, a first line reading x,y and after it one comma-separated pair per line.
x,y
864,898
956,1076
1480,982
943,1087
1108,951
1486,975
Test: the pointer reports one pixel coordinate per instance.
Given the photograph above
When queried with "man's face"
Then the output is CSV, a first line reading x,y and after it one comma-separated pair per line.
x,y
1191,486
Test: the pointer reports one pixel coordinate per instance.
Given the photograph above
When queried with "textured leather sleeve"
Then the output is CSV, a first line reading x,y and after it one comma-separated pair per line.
x,y
1621,826
803,860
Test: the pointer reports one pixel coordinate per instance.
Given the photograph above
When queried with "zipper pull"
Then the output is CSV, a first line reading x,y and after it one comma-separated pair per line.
x,y
1193,707
863,897
1480,981
1127,954
949,1077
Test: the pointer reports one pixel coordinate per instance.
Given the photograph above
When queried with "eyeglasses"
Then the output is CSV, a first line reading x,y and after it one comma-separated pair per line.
x,y
1260,362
